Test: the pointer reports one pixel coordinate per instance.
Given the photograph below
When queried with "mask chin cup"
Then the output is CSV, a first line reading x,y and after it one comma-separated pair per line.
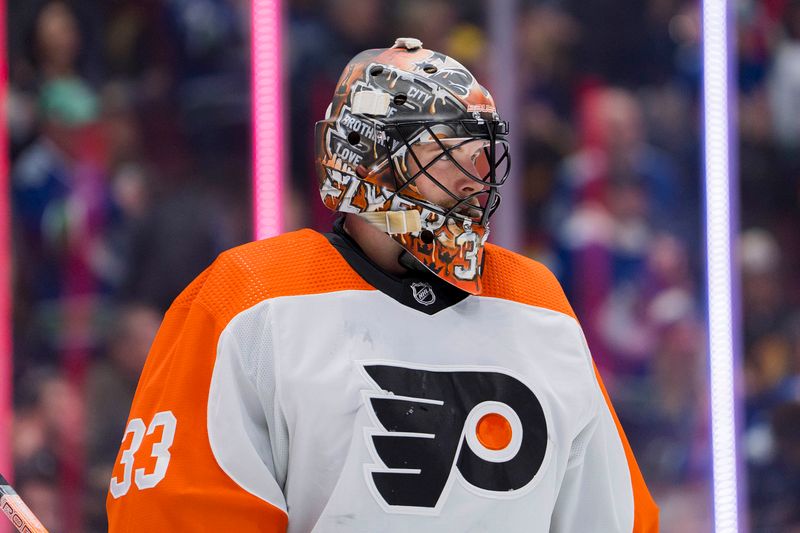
x,y
395,222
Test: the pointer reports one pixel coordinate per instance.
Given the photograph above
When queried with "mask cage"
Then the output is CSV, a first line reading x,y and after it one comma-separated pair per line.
x,y
477,207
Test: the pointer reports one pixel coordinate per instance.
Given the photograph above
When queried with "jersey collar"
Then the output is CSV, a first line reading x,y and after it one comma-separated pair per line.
x,y
419,290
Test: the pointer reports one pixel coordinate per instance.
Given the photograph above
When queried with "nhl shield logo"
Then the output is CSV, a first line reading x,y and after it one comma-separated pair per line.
x,y
423,292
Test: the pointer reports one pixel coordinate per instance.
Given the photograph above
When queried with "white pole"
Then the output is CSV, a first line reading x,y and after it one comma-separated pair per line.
x,y
506,226
721,232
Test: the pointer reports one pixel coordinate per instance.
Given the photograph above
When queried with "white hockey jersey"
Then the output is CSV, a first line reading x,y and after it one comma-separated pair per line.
x,y
295,387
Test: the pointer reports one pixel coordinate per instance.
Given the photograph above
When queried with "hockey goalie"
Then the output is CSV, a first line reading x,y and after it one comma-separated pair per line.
x,y
397,374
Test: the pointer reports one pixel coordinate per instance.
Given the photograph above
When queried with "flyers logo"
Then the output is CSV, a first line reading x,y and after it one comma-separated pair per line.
x,y
486,429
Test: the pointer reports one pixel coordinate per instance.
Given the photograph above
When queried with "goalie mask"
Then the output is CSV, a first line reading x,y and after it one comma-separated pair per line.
x,y
412,143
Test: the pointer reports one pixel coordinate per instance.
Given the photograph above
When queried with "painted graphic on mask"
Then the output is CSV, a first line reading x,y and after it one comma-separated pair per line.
x,y
363,160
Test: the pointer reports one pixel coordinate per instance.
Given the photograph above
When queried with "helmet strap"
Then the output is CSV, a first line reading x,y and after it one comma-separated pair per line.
x,y
395,222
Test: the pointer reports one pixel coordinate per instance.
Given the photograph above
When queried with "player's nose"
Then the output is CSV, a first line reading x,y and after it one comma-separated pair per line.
x,y
464,180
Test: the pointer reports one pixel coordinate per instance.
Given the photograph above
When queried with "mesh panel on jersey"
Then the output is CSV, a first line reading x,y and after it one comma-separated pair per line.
x,y
580,443
258,363
513,277
301,262
188,295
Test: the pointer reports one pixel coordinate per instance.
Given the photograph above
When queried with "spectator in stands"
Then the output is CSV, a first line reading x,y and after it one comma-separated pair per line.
x,y
60,202
784,81
48,436
610,197
110,386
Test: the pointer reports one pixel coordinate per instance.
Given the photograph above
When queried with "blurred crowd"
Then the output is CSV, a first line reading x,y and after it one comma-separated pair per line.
x,y
129,122
769,129
129,127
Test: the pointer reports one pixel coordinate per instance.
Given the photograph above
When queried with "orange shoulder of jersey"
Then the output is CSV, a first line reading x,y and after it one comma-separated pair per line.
x,y
166,477
514,277
301,262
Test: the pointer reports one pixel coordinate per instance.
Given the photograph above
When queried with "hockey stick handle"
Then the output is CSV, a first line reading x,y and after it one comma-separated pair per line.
x,y
16,510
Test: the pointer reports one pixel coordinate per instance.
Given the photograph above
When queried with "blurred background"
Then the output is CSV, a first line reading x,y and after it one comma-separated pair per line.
x,y
129,123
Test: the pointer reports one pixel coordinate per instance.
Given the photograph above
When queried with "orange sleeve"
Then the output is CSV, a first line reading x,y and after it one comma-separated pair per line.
x,y
169,480
645,510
